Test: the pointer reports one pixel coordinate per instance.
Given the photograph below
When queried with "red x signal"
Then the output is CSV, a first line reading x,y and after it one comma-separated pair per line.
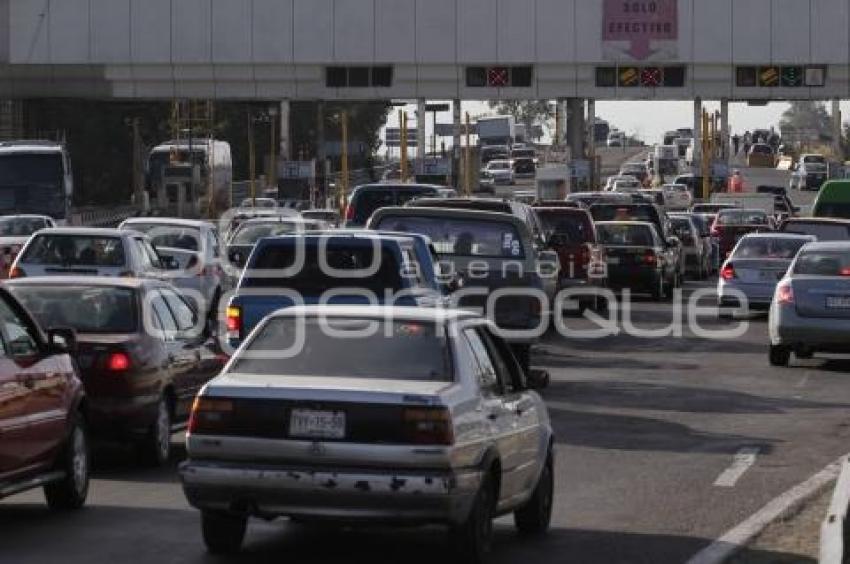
x,y
498,77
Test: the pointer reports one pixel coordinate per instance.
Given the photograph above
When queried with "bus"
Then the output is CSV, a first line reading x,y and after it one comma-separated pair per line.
x,y
36,178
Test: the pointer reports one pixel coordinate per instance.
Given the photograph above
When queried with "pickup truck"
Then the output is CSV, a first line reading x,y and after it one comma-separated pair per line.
x,y
404,273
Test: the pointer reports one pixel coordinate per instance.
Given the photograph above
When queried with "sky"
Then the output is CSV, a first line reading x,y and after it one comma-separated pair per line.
x,y
649,120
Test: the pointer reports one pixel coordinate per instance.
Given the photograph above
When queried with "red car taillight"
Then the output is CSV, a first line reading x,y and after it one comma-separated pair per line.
x,y
785,294
428,426
715,230
349,212
209,414
650,258
234,322
727,272
118,362
17,272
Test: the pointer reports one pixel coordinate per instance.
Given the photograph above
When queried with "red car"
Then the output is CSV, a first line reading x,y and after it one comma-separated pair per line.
x,y
43,439
141,362
732,224
570,232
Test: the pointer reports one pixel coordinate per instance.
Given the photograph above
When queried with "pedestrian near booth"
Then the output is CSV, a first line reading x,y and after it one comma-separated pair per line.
x,y
736,144
736,183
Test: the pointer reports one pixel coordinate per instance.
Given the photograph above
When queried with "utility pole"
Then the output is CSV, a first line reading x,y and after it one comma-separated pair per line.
x,y
252,158
707,151
402,119
467,161
272,148
343,181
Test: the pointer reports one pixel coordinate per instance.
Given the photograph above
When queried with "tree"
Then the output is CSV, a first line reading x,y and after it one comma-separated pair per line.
x,y
805,120
526,112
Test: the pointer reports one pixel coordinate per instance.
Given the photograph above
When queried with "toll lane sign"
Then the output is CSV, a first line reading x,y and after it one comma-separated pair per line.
x,y
768,76
640,30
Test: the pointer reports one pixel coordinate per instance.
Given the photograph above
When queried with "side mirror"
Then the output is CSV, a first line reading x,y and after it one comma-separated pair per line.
x,y
62,340
537,379
673,242
454,283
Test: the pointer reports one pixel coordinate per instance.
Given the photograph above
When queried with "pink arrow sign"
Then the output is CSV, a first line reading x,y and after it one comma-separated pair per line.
x,y
640,22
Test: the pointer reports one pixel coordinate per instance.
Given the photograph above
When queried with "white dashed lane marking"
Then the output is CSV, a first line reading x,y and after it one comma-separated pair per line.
x,y
742,461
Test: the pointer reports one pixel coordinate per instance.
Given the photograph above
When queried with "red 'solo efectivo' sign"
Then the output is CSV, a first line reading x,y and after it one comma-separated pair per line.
x,y
640,30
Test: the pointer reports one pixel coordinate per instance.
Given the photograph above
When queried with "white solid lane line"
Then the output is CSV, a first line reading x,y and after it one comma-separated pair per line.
x,y
727,545
742,461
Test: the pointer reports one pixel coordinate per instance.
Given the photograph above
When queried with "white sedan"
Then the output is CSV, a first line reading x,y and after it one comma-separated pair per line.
x,y
677,196
362,413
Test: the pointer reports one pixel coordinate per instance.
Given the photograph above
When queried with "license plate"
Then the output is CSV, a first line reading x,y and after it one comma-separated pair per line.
x,y
838,302
311,424
613,260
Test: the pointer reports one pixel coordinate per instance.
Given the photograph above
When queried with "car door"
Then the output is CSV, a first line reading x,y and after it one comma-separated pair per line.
x,y
182,360
501,418
202,363
40,382
14,411
530,444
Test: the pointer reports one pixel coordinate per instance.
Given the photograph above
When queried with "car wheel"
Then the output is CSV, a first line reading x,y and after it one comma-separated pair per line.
x,y
534,517
155,448
71,491
779,355
472,540
223,532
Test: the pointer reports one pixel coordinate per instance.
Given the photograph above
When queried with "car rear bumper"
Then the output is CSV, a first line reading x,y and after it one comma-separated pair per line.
x,y
338,494
759,296
115,418
787,327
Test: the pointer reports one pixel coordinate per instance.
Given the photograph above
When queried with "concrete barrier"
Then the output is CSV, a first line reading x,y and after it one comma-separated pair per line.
x,y
833,531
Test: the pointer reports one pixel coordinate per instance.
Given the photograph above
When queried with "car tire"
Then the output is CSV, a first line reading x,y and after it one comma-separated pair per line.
x,y
779,355
534,517
154,450
75,461
472,540
223,533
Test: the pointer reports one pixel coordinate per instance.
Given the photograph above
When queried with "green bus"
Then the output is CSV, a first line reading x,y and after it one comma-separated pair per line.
x,y
833,200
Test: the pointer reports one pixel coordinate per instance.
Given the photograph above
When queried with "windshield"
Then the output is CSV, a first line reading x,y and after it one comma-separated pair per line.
x,y
768,248
313,280
823,263
174,237
32,183
250,234
814,159
86,309
348,347
742,218
822,231
839,210
566,228
613,212
762,150
462,237
625,235
21,226
75,250
501,165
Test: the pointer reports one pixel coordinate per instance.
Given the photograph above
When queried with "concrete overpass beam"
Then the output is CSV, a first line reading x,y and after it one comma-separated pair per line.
x,y
836,129
286,152
456,119
576,127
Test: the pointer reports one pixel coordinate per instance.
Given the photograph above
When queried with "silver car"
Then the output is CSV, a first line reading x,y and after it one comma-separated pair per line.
x,y
755,266
64,251
191,249
811,309
363,413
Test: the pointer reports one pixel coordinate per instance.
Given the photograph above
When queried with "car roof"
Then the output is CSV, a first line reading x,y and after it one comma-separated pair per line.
x,y
406,313
743,210
276,219
26,216
453,213
169,221
779,235
345,234
818,220
104,281
397,186
828,246
635,223
90,231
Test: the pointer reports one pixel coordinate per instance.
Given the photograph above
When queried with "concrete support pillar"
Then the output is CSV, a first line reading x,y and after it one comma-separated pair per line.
x,y
591,140
286,152
697,132
560,121
321,154
456,121
421,140
837,132
724,130
575,127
